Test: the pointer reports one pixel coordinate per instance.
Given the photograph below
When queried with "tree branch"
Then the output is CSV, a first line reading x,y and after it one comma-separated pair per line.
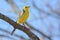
x,y
38,31
19,36
13,7
20,27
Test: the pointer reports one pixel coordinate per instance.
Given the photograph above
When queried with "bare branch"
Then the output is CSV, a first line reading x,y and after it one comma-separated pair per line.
x,y
38,31
47,13
13,6
20,27
52,10
13,35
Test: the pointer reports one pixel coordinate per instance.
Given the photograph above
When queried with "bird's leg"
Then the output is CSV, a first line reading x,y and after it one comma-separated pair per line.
x,y
13,31
25,25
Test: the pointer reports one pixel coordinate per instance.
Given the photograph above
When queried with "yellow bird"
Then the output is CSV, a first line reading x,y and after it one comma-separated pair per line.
x,y
23,16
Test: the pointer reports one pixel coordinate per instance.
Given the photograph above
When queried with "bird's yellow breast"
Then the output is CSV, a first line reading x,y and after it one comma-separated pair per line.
x,y
22,19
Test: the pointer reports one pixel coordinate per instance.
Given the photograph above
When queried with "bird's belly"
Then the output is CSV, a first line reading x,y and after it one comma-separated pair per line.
x,y
23,19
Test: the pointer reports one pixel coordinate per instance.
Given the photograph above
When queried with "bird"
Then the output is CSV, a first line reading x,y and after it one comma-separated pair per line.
x,y
22,18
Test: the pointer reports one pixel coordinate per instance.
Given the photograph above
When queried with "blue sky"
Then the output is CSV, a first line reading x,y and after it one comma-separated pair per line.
x,y
40,24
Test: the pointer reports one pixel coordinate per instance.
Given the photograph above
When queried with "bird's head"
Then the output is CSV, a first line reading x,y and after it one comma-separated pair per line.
x,y
26,8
